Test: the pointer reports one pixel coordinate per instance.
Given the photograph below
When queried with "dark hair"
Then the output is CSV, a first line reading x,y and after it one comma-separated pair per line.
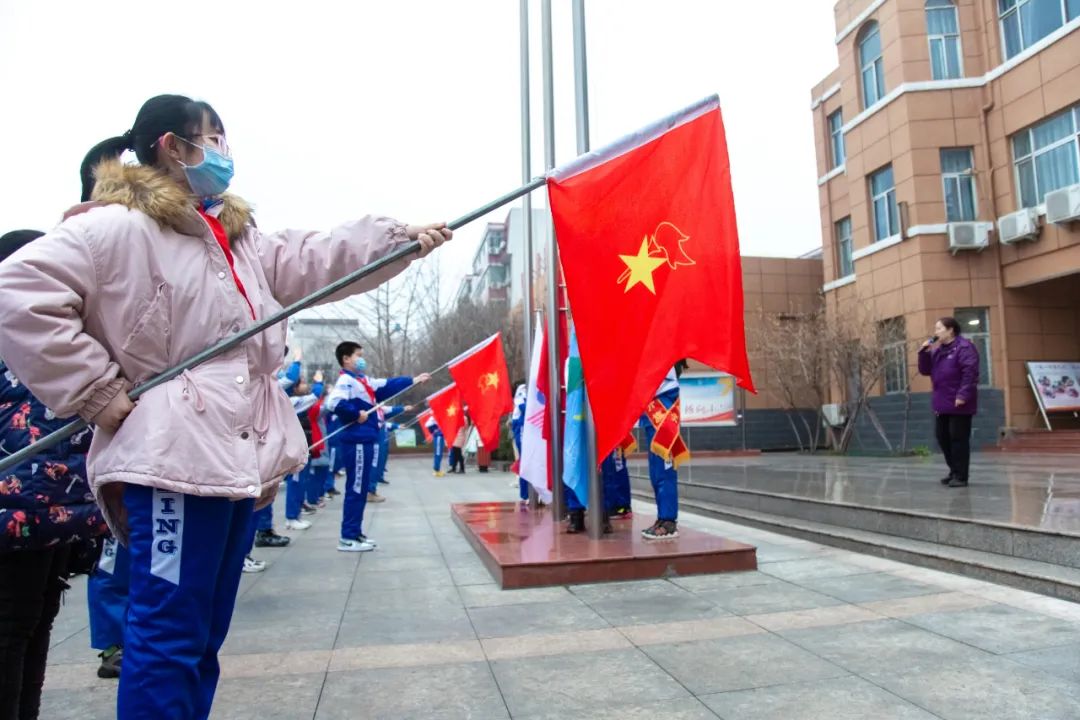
x,y
680,368
346,349
177,114
12,241
949,323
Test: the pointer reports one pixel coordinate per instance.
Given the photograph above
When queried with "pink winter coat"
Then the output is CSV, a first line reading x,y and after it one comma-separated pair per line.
x,y
133,283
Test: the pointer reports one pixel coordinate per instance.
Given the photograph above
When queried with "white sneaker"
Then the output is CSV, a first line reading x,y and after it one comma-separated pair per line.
x,y
354,546
251,565
369,541
297,524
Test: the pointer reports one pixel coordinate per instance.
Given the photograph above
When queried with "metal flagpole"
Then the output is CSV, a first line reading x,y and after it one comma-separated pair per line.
x,y
595,508
554,399
21,456
526,174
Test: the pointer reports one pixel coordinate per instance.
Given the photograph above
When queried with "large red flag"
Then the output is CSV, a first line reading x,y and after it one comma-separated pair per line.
x,y
650,250
484,383
447,408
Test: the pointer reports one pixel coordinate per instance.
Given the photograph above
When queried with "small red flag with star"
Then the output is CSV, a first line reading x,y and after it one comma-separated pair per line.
x,y
650,252
484,383
446,407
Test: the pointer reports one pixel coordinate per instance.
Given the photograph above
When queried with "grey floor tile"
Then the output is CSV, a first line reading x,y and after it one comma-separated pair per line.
x,y
282,697
737,663
75,649
724,581
633,588
869,588
543,618
447,692
410,579
846,698
374,562
395,626
303,632
283,608
686,709
471,575
1064,661
883,646
98,703
582,683
797,570
647,610
776,597
490,595
1000,628
993,688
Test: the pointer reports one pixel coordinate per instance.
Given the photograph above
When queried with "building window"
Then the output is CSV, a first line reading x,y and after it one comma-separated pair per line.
x,y
883,202
1047,157
836,136
872,69
943,29
893,336
958,174
843,248
1026,22
975,326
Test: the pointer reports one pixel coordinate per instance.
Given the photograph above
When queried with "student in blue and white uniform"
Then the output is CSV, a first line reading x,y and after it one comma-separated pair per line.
x,y
353,400
664,476
438,445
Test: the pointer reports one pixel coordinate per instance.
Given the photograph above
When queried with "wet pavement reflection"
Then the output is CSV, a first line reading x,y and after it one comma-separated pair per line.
x,y
1038,491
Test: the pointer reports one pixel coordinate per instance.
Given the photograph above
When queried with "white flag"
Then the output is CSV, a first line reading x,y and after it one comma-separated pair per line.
x,y
534,451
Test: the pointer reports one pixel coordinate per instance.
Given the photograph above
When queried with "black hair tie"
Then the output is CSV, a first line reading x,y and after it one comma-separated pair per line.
x,y
129,140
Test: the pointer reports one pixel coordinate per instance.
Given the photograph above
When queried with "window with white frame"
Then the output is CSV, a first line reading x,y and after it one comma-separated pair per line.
x,y
893,336
943,30
958,175
836,138
843,248
1047,156
1026,22
883,204
871,66
975,326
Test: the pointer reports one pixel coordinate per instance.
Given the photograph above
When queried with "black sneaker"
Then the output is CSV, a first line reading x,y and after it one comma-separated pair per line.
x,y
577,522
269,538
958,482
947,479
662,530
332,492
110,662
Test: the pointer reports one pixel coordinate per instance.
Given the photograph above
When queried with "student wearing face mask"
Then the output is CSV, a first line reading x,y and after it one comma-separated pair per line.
x,y
353,401
160,264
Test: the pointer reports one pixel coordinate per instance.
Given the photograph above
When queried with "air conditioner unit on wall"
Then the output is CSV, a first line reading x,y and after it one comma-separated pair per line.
x,y
1019,226
1063,206
833,414
969,236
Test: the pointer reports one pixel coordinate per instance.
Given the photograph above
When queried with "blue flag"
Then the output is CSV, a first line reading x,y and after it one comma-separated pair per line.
x,y
575,457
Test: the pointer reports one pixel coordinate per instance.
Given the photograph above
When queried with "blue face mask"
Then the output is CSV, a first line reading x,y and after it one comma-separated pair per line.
x,y
361,365
212,176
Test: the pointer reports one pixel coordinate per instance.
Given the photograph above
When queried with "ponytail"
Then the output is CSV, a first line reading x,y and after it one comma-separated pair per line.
x,y
110,149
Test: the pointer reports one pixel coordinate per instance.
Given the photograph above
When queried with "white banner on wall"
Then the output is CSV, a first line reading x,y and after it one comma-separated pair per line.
x,y
707,399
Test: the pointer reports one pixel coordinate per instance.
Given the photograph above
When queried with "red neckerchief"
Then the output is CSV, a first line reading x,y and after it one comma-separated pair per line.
x,y
367,386
218,231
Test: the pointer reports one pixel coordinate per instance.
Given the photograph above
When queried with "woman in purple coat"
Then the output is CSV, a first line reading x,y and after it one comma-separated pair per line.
x,y
952,362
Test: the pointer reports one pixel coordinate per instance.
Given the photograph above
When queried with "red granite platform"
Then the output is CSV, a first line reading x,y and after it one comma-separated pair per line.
x,y
527,549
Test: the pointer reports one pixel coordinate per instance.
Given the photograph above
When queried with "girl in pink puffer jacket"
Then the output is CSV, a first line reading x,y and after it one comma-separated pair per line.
x,y
160,264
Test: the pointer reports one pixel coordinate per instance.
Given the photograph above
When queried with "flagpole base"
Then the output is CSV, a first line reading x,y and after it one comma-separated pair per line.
x,y
532,549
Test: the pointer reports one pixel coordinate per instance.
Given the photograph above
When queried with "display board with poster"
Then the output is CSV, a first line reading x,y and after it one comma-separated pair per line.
x,y
1056,385
707,399
405,438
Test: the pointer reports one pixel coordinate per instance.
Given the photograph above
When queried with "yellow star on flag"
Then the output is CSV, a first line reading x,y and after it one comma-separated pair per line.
x,y
641,267
451,411
489,381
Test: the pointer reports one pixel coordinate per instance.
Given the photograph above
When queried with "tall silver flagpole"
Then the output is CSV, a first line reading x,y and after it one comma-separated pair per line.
x,y
554,399
526,172
595,511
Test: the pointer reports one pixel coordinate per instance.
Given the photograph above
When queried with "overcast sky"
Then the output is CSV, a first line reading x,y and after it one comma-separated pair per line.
x,y
410,108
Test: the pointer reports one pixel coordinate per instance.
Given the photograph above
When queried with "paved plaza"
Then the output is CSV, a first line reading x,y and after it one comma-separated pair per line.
x,y
417,630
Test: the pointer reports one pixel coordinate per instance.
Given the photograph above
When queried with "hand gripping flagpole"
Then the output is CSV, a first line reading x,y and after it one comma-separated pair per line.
x,y
21,456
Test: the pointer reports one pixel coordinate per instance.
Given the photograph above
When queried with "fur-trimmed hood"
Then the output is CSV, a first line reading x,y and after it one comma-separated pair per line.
x,y
152,192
